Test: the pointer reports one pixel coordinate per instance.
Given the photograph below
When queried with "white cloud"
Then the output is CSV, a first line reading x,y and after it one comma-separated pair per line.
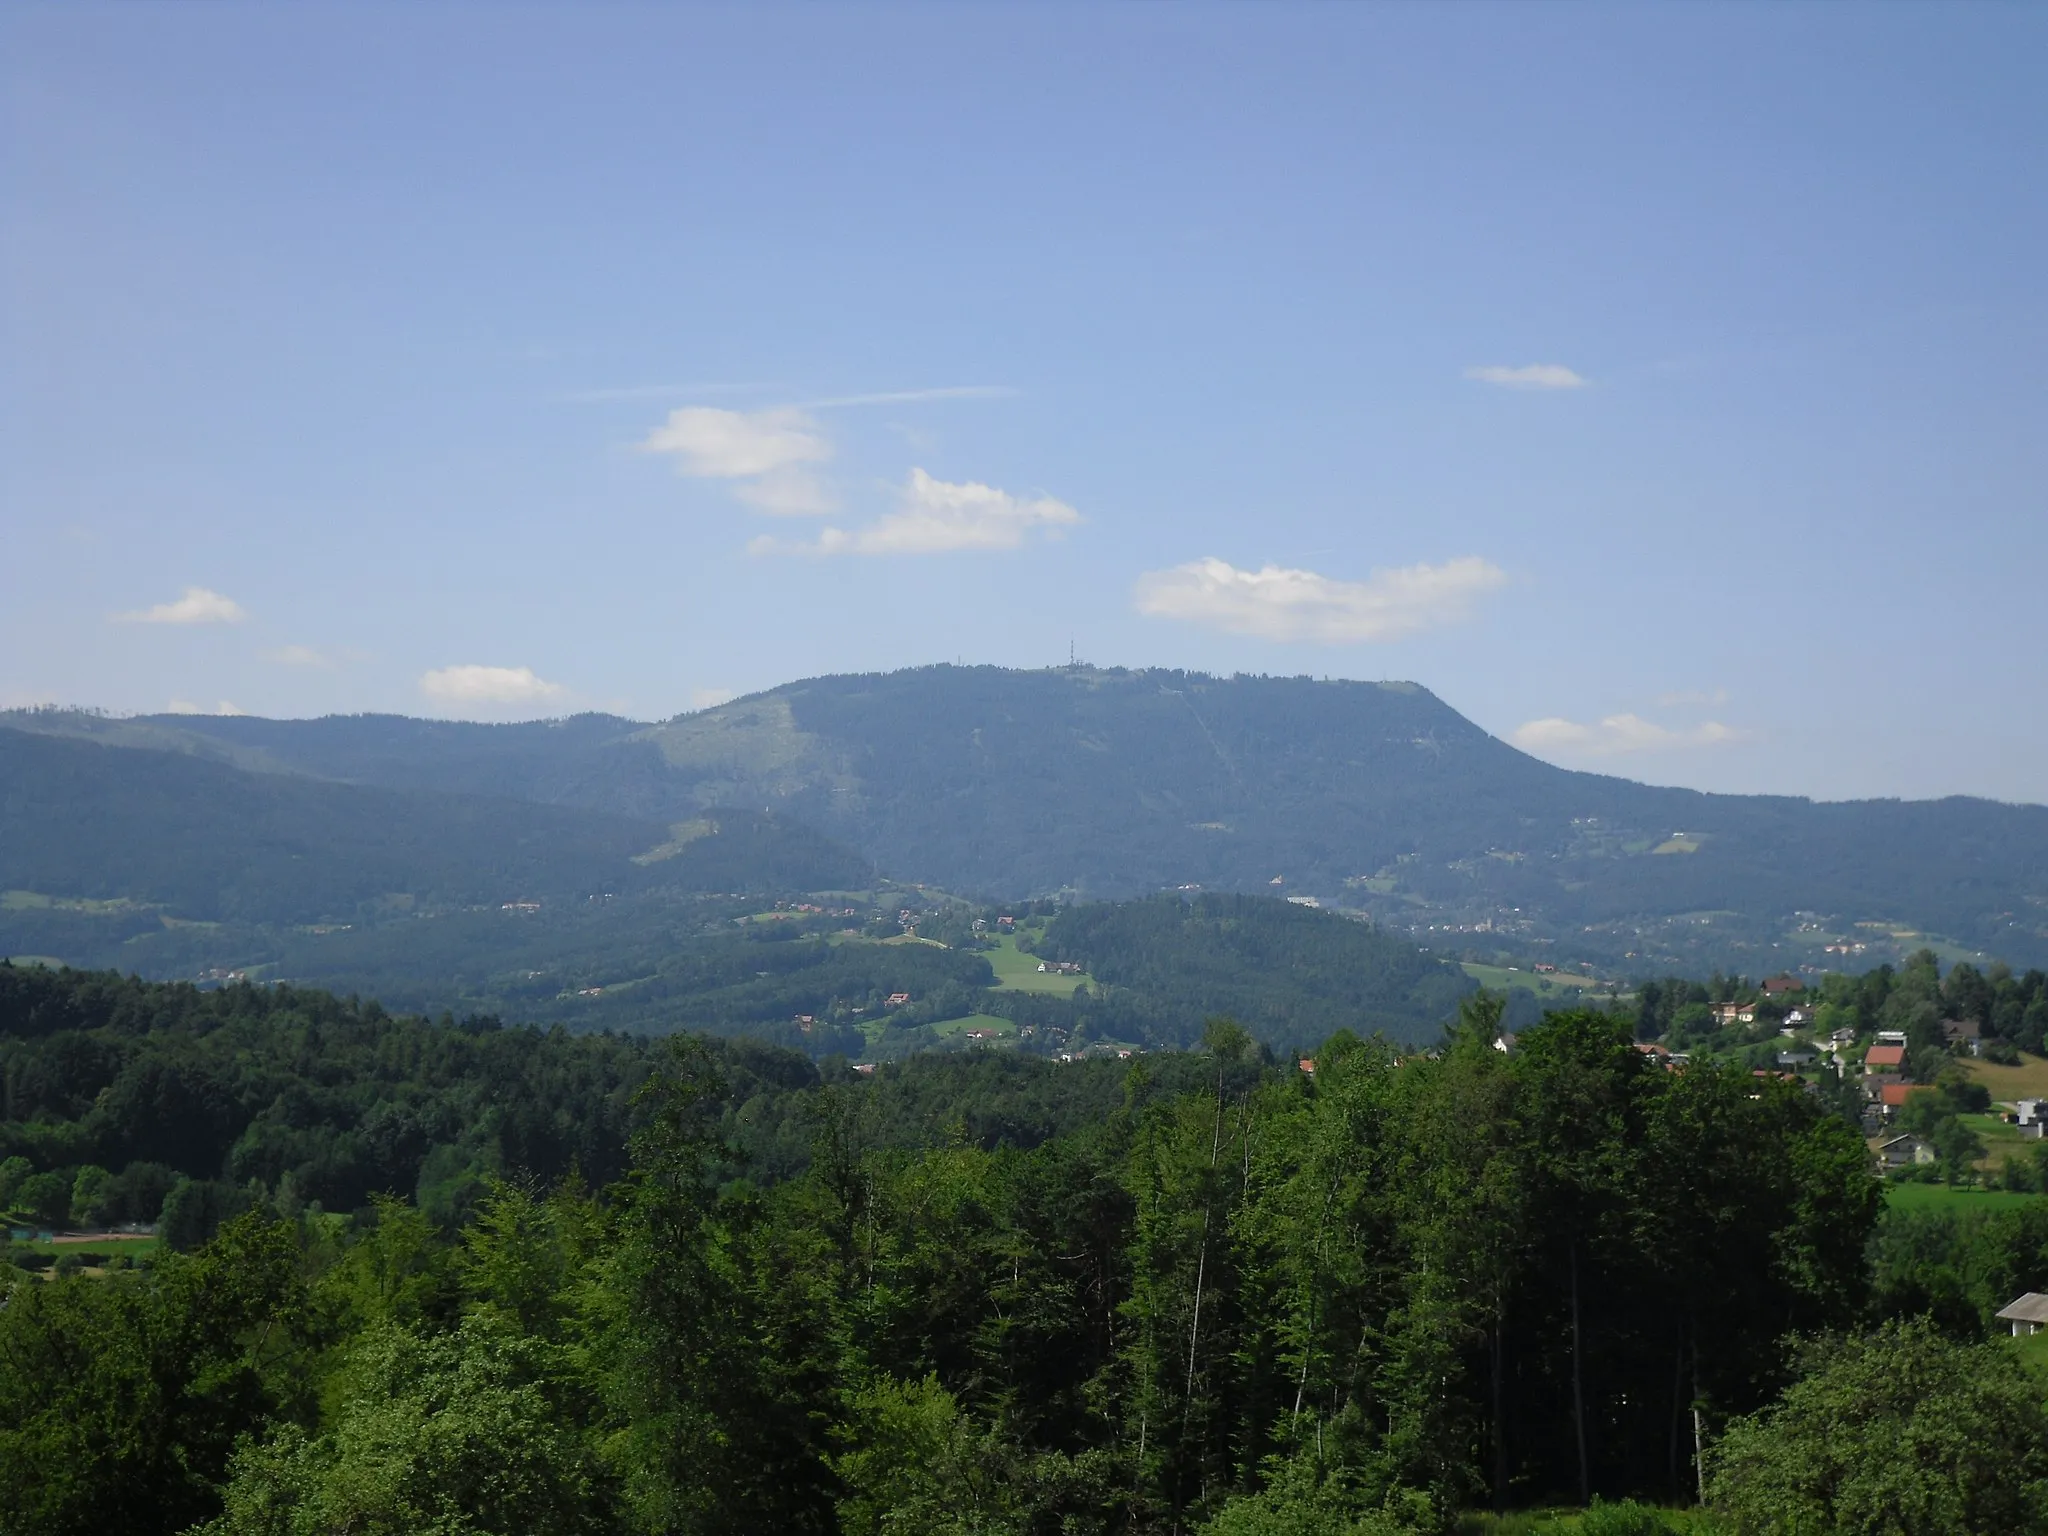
x,y
710,698
183,707
937,517
1617,734
487,685
716,444
788,493
1530,376
197,606
1275,603
300,656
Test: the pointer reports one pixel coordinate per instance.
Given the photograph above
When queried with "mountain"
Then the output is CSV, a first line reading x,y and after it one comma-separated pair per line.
x,y
209,842
1102,783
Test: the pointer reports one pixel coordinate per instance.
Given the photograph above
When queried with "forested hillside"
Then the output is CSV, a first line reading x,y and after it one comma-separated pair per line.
x,y
689,1287
1091,783
210,842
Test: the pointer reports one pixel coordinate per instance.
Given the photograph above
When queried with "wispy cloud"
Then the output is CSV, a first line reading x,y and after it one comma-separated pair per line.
x,y
1529,376
1275,603
471,684
301,656
197,606
185,707
655,392
1618,734
904,396
938,517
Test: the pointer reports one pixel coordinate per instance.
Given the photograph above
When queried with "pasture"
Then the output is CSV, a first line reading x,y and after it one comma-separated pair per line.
x,y
1019,972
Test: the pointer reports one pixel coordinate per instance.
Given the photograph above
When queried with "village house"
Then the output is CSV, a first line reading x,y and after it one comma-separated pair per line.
x,y
1884,1058
1905,1152
1778,986
2025,1316
1963,1032
896,1000
1891,1096
1733,1013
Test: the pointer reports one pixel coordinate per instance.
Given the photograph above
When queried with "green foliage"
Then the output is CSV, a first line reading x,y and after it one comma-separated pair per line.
x,y
461,1434
1900,1433
121,1399
1289,974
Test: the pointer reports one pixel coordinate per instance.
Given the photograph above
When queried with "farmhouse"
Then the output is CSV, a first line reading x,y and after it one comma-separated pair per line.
x,y
1905,1152
2026,1315
1884,1058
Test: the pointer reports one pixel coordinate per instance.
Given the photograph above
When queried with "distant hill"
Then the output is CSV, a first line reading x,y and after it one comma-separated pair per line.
x,y
208,842
1092,783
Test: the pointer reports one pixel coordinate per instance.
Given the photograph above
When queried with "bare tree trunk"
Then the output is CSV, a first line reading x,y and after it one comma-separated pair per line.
x,y
1578,1385
1699,1448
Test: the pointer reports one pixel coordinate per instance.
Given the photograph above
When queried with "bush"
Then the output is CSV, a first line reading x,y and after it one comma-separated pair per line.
x,y
195,1209
1628,1518
1901,1431
45,1198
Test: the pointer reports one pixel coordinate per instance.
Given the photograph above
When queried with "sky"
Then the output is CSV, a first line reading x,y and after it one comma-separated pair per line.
x,y
1661,386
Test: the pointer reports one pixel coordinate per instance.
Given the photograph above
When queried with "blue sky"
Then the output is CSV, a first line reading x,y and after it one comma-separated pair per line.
x,y
1662,386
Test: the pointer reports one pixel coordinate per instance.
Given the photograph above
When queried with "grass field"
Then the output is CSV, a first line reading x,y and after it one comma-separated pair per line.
x,y
2028,1080
1549,986
118,1243
1932,1197
1018,972
947,1029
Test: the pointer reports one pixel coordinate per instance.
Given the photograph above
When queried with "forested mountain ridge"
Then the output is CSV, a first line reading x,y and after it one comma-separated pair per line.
x,y
1092,783
209,841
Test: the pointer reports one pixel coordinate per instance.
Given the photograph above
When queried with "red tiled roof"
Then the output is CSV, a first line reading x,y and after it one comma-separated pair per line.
x,y
1885,1056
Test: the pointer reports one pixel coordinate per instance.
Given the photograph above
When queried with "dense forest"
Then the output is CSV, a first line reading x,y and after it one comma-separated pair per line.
x,y
457,1277
659,961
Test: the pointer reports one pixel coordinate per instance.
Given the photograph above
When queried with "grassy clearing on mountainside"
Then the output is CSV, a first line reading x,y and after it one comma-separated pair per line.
x,y
1928,1197
2008,1085
947,1029
1557,986
1019,972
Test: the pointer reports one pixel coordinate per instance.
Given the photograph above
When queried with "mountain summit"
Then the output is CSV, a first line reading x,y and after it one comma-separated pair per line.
x,y
1087,783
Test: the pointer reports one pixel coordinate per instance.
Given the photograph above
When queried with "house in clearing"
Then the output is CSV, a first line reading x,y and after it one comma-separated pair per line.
x,y
1905,1152
2029,1314
1734,1013
1884,1058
